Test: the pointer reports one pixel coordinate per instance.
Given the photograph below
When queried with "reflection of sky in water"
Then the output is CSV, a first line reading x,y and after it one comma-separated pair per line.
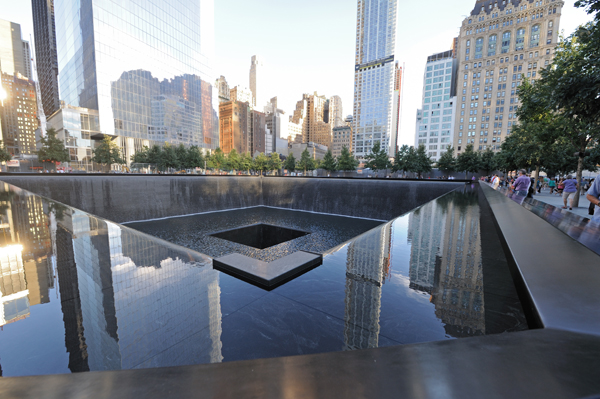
x,y
113,298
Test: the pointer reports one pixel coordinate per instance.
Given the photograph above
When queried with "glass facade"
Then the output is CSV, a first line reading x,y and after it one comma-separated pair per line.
x,y
143,65
374,75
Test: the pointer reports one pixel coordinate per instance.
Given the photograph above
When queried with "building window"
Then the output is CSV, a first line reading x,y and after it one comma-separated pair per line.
x,y
492,41
535,36
479,48
505,42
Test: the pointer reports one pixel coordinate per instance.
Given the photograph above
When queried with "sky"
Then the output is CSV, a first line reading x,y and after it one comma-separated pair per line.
x,y
309,46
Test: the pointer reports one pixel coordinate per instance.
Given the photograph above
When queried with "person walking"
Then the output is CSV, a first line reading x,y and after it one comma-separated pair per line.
x,y
521,185
569,191
552,185
593,195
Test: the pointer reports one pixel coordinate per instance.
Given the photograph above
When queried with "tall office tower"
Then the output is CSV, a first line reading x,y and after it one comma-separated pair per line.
x,y
397,112
233,126
223,90
14,51
145,67
18,115
374,75
500,44
45,53
336,112
313,113
436,117
256,75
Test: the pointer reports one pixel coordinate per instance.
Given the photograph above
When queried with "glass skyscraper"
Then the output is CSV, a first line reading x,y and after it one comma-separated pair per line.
x,y
143,65
374,76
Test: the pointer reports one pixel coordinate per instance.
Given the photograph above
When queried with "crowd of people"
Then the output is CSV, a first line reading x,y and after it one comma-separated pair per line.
x,y
566,187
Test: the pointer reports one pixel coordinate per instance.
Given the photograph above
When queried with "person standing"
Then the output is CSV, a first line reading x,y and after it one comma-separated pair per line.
x,y
569,191
495,182
593,195
521,185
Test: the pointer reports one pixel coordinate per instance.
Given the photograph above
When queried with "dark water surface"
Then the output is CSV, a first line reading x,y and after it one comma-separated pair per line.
x,y
79,293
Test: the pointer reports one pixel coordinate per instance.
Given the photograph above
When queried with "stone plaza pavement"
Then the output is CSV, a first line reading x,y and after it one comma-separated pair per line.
x,y
556,200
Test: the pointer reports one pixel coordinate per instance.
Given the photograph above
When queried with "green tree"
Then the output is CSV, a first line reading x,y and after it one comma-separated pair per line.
x,y
107,153
400,159
290,163
233,159
53,149
246,162
306,162
447,162
169,157
378,158
412,160
4,155
329,163
572,83
261,163
194,158
275,162
592,6
140,156
217,159
182,155
347,161
423,161
488,161
155,156
468,161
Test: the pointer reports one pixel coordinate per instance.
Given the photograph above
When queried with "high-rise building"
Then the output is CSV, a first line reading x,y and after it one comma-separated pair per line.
x,y
144,67
18,115
223,90
256,74
374,75
435,119
336,111
277,124
45,53
397,112
233,126
500,44
312,112
258,132
14,51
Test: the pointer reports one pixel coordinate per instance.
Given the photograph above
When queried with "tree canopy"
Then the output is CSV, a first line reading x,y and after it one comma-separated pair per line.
x,y
346,161
108,153
377,159
53,149
329,163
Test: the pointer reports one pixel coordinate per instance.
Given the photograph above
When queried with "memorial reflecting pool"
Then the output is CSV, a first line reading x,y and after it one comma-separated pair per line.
x,y
80,293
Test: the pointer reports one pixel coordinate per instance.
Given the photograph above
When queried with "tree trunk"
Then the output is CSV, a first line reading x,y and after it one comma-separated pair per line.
x,y
537,177
579,178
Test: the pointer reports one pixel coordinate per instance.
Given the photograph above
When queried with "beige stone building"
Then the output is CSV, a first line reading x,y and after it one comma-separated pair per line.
x,y
342,137
313,113
501,43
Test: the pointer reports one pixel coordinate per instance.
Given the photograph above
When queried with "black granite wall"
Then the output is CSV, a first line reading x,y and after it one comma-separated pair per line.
x,y
129,198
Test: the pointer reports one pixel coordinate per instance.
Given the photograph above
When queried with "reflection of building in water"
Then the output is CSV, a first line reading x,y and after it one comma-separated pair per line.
x,y
367,264
446,262
168,310
148,310
425,233
25,247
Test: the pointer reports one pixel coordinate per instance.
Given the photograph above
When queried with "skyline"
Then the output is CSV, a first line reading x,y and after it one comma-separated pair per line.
x,y
301,57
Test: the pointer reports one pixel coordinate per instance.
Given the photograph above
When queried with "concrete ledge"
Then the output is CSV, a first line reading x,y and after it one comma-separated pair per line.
x,y
561,276
544,364
268,275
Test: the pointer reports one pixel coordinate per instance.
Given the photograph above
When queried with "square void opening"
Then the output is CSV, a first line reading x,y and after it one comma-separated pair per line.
x,y
260,235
